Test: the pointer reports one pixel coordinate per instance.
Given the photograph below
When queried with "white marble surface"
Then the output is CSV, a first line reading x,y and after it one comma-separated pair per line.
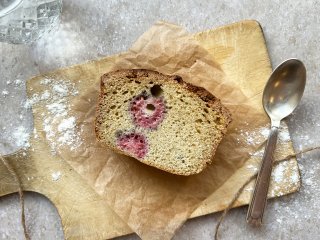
x,y
94,28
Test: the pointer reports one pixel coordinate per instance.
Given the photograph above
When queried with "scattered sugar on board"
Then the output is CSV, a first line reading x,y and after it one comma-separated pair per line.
x,y
249,189
258,153
257,136
278,173
265,132
281,178
30,178
283,135
45,95
35,133
56,176
253,168
294,177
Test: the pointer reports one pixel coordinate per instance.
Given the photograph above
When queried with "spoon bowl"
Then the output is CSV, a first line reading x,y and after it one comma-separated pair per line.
x,y
284,89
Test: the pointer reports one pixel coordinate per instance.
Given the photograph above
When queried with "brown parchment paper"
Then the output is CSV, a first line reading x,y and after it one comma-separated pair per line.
x,y
152,202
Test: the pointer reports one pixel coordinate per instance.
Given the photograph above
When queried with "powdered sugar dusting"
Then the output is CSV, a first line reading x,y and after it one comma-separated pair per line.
x,y
46,81
252,168
60,127
294,177
265,132
261,134
45,95
278,173
57,108
5,92
67,124
67,131
258,153
32,100
60,89
56,176
21,136
284,136
17,82
282,178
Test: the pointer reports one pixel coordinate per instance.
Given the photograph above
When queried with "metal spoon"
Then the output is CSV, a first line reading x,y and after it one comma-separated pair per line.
x,y
281,96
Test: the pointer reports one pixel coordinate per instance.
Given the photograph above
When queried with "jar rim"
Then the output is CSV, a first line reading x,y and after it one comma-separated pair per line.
x,y
13,6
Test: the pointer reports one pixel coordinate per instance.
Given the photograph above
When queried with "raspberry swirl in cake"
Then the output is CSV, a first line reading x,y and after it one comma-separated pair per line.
x,y
134,143
147,111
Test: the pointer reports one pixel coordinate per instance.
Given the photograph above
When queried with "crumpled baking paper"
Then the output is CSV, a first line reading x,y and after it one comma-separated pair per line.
x,y
152,202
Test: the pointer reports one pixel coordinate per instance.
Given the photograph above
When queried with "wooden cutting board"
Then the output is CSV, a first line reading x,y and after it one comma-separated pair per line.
x,y
240,49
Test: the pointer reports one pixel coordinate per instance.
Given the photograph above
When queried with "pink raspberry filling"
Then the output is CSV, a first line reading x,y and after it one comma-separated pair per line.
x,y
148,111
133,143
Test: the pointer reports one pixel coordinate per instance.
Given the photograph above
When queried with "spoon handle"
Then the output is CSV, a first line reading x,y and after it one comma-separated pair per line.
x,y
259,198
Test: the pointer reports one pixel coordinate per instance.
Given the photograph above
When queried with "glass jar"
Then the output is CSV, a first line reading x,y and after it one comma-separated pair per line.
x,y
24,21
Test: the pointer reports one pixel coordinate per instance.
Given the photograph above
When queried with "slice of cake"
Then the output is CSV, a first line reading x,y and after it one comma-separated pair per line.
x,y
160,120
